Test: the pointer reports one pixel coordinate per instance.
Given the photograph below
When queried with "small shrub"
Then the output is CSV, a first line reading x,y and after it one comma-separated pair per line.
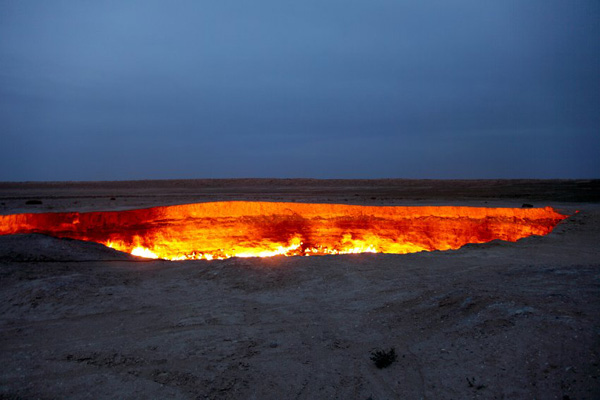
x,y
472,384
384,359
33,202
527,205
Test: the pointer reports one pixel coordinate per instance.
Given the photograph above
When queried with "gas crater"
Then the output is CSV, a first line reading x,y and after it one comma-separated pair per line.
x,y
221,230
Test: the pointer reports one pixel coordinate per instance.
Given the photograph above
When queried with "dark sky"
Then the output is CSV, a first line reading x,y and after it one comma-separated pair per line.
x,y
112,90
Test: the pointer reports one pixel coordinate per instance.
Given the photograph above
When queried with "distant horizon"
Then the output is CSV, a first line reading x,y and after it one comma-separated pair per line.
x,y
308,179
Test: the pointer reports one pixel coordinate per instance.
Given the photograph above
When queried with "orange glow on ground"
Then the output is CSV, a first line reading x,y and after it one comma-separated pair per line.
x,y
262,229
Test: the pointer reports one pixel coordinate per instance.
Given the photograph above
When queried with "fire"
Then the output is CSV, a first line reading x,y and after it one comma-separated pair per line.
x,y
141,252
219,230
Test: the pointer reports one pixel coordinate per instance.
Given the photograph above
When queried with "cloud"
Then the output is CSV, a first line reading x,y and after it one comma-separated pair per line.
x,y
322,89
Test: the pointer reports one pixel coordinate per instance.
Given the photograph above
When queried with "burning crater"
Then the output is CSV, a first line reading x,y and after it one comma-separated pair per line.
x,y
262,229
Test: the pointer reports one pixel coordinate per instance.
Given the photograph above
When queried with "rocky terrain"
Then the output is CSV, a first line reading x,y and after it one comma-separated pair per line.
x,y
492,321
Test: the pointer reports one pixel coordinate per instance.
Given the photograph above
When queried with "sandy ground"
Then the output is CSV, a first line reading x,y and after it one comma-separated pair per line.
x,y
495,321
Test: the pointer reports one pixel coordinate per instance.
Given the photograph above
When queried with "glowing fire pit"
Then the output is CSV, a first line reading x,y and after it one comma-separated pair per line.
x,y
262,229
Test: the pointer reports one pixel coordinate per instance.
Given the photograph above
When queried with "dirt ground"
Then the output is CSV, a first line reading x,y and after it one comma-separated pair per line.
x,y
494,321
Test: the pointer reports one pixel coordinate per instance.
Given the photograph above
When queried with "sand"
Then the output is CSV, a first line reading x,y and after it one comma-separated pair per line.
x,y
493,321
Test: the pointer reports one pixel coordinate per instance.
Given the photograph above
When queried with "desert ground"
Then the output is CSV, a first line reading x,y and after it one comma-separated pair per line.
x,y
490,321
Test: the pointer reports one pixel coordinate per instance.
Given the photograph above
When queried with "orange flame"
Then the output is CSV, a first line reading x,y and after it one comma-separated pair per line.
x,y
262,229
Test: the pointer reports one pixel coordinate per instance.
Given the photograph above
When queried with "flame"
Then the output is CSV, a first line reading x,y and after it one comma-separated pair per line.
x,y
219,230
142,252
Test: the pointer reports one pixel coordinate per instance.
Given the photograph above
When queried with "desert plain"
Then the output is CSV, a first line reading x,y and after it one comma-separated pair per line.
x,y
489,321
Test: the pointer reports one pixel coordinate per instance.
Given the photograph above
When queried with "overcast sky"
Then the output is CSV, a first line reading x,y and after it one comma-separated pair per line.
x,y
113,90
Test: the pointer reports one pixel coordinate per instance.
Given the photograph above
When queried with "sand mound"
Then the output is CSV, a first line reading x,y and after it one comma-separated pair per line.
x,y
36,247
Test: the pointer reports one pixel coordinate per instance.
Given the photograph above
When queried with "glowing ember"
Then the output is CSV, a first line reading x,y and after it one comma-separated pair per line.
x,y
262,229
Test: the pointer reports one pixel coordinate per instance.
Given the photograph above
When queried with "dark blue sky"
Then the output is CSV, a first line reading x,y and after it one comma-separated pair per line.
x,y
111,90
